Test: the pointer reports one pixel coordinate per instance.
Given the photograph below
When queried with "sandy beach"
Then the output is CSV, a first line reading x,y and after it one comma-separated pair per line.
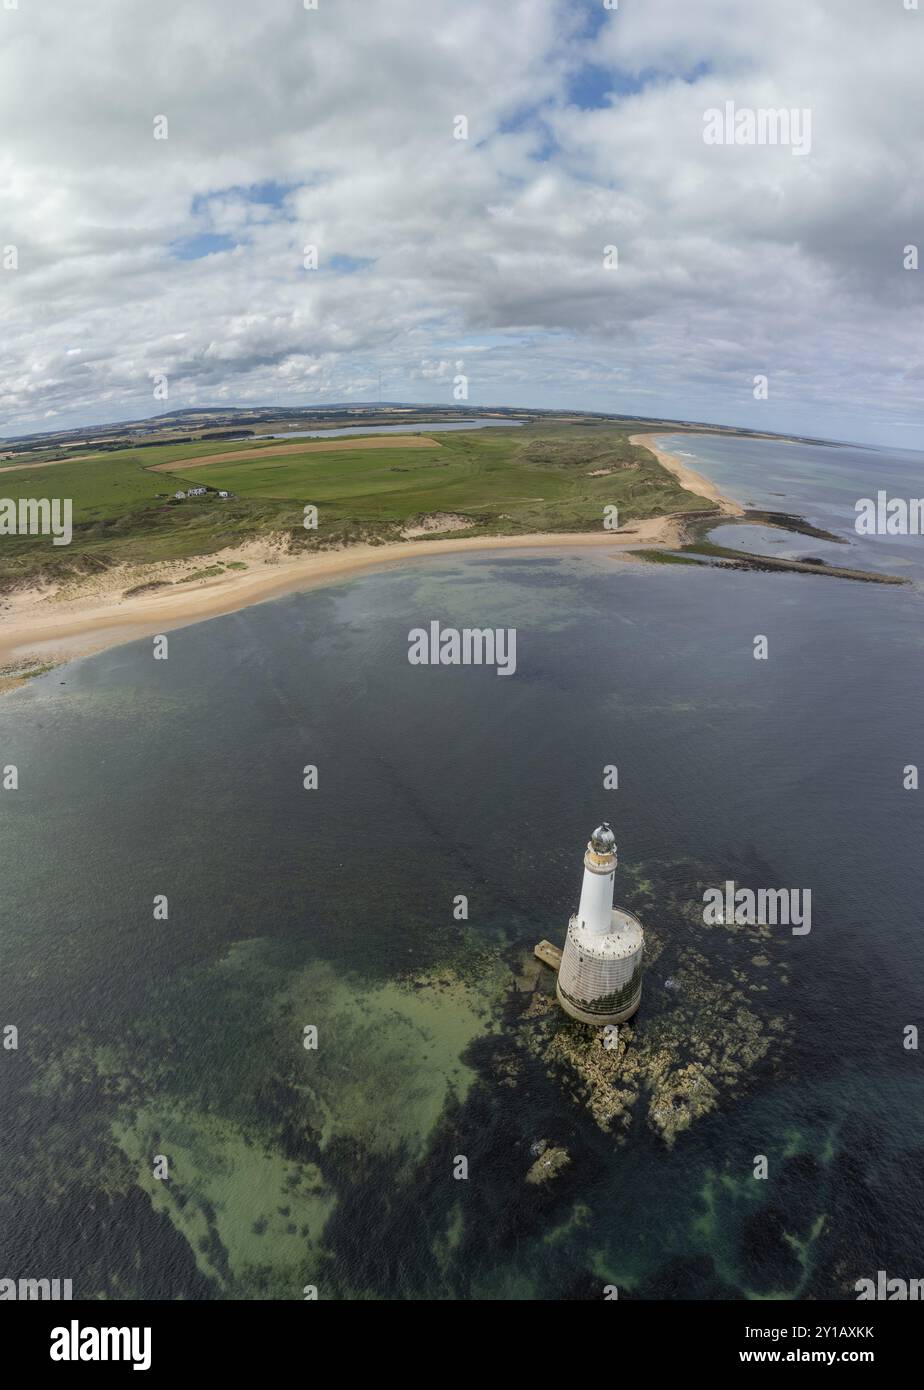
x,y
46,626
687,477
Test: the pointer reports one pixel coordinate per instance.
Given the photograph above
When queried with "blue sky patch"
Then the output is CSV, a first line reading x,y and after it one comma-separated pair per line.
x,y
193,248
267,194
592,86
348,265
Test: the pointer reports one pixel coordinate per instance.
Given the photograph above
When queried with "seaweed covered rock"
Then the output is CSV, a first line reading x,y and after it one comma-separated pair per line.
x,y
548,1165
699,1036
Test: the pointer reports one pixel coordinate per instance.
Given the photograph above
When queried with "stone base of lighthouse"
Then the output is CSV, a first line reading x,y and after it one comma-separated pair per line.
x,y
600,977
596,1020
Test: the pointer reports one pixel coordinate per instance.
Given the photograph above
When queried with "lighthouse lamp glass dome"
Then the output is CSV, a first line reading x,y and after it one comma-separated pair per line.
x,y
603,841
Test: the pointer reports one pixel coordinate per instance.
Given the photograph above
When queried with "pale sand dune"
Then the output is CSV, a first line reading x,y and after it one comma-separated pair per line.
x,y
307,446
437,523
692,481
54,625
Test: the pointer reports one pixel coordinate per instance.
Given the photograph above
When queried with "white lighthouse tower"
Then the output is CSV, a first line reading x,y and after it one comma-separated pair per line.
x,y
600,977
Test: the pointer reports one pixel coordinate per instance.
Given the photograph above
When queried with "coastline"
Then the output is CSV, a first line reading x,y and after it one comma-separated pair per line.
x,y
46,627
687,477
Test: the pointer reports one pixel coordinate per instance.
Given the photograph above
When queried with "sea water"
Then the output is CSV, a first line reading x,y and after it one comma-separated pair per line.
x,y
168,1133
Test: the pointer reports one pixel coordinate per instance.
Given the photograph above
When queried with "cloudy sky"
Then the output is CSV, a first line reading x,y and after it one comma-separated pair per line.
x,y
125,257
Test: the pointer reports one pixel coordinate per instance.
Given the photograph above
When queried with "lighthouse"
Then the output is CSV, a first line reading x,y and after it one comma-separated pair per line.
x,y
600,977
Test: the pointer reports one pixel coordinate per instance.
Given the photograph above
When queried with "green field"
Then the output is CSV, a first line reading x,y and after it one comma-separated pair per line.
x,y
503,481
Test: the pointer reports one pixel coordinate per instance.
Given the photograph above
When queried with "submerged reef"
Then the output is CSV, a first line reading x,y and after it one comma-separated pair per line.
x,y
336,1166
